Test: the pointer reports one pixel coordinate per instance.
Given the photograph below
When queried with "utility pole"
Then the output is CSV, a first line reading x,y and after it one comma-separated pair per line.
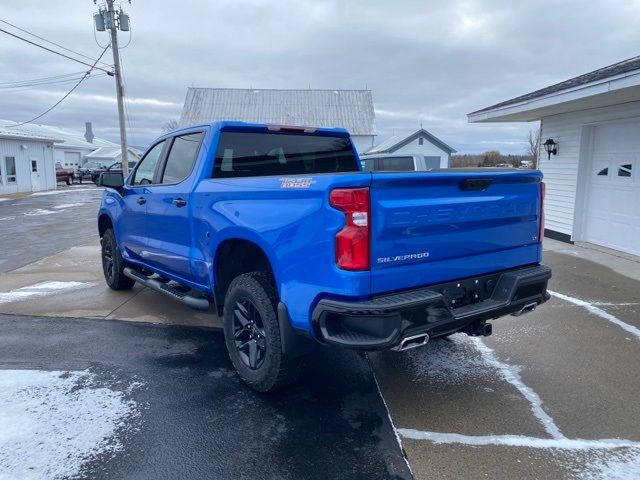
x,y
109,18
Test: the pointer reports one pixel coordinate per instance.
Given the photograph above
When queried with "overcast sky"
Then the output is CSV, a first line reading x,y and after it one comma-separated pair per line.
x,y
425,61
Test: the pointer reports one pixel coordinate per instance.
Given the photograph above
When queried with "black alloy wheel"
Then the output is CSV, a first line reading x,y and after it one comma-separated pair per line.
x,y
249,334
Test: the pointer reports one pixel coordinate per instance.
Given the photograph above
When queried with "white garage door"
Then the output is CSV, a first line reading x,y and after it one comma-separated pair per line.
x,y
612,217
71,159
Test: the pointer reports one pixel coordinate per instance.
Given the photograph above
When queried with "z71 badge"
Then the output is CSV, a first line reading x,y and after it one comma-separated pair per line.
x,y
299,182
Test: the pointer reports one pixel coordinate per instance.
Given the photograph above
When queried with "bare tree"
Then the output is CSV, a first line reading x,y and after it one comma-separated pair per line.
x,y
533,145
170,126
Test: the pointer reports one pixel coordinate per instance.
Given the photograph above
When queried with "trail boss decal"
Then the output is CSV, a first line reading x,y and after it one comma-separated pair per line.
x,y
400,258
299,182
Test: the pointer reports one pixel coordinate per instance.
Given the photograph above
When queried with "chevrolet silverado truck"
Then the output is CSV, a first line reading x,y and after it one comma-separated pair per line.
x,y
279,232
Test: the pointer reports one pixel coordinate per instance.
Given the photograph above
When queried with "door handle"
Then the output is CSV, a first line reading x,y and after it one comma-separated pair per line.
x,y
141,201
179,202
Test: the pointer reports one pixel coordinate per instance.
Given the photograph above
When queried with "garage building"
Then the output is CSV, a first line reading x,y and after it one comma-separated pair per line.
x,y
26,162
593,179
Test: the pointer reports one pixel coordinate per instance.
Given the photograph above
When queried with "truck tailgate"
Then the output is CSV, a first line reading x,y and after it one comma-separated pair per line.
x,y
439,226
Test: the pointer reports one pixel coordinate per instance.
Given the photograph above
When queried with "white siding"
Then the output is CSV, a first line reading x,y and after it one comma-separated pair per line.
x,y
561,172
34,150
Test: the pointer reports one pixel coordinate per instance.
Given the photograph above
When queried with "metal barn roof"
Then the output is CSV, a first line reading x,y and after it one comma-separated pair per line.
x,y
68,138
350,109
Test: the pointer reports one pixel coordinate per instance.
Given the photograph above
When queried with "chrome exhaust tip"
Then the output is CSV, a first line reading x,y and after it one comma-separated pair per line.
x,y
529,307
412,342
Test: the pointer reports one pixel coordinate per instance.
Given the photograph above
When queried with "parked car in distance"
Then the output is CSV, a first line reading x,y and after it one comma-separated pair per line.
x,y
400,163
65,175
279,232
88,170
504,165
113,168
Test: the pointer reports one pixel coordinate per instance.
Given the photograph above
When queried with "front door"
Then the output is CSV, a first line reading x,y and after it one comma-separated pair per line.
x,y
168,208
133,219
36,181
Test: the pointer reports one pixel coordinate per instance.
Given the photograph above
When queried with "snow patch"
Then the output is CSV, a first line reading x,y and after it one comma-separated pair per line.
x,y
511,374
518,441
68,205
40,289
58,192
620,467
599,312
453,361
53,422
39,211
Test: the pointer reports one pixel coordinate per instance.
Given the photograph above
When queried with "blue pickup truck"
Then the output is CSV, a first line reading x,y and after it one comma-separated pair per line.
x,y
279,232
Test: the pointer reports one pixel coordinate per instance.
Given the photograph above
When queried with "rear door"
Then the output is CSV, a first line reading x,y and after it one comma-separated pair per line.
x,y
438,226
169,205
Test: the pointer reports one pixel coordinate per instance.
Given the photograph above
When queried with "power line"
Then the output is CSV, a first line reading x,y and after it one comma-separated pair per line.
x,y
61,81
54,77
57,53
67,94
52,43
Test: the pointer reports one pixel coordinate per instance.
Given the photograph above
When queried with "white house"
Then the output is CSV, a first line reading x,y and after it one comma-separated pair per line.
x,y
421,142
350,109
593,179
26,162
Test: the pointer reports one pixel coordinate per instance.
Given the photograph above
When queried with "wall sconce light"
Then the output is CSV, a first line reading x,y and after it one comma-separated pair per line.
x,y
551,147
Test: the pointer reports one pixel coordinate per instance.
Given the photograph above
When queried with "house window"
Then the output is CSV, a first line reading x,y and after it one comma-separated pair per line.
x,y
420,141
34,165
10,168
624,170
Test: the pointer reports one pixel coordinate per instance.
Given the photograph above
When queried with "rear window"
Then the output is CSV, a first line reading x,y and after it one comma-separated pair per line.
x,y
396,164
244,154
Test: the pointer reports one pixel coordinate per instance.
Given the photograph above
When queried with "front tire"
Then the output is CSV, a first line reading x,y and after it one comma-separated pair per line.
x,y
69,180
252,333
113,264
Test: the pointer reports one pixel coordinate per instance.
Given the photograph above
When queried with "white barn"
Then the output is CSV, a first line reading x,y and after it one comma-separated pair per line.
x,y
593,180
350,109
419,142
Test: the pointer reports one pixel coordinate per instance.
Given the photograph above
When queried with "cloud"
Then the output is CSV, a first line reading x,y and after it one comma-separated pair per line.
x,y
425,61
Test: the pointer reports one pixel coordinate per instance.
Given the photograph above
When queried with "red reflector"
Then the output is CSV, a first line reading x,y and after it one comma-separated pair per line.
x,y
543,191
352,242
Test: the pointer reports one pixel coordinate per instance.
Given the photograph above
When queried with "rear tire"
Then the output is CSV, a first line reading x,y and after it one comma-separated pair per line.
x,y
69,180
252,333
113,264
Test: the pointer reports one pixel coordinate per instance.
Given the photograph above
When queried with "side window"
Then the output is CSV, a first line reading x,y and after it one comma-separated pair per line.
x,y
10,168
396,164
181,158
147,169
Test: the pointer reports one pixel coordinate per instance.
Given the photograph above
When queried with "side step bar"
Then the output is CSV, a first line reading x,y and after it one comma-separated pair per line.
x,y
197,303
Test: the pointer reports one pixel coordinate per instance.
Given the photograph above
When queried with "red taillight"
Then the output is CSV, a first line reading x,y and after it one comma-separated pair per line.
x,y
543,190
352,242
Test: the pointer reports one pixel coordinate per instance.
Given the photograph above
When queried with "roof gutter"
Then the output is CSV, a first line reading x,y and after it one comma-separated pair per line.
x,y
627,80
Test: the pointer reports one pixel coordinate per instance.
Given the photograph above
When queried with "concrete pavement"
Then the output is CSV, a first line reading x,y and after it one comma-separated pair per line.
x,y
552,394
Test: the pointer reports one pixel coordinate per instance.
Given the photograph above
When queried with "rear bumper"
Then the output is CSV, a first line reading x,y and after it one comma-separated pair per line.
x,y
384,321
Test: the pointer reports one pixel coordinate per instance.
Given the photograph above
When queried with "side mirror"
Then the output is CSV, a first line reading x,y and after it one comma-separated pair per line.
x,y
111,180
